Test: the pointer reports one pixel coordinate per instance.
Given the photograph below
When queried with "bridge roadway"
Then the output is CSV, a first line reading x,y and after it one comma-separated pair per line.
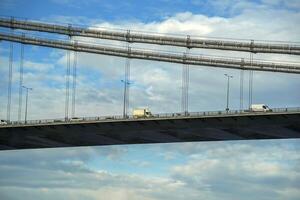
x,y
215,126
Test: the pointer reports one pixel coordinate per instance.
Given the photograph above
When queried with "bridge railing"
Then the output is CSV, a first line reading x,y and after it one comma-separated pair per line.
x,y
154,116
217,113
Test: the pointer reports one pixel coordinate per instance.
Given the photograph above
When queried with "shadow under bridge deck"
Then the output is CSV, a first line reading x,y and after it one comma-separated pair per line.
x,y
250,126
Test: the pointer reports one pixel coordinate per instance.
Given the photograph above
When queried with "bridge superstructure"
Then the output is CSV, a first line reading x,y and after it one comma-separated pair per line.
x,y
208,126
161,116
151,38
174,127
172,57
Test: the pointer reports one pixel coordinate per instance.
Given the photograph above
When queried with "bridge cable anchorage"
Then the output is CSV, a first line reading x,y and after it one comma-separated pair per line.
x,y
242,86
210,43
74,76
67,86
172,57
21,82
10,68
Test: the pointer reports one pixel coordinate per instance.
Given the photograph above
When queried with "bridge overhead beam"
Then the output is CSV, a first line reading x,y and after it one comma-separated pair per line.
x,y
188,42
232,63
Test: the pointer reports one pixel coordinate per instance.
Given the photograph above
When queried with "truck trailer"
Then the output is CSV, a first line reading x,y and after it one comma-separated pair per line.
x,y
141,113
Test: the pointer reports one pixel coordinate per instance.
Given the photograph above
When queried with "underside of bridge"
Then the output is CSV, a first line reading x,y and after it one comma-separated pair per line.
x,y
250,127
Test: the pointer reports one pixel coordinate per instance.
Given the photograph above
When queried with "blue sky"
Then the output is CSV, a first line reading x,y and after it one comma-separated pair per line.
x,y
119,10
212,170
145,11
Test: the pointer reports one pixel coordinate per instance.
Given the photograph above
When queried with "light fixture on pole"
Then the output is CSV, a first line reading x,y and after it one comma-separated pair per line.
x,y
26,107
227,104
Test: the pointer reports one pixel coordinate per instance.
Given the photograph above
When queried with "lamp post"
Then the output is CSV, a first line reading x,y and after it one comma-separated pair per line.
x,y
227,104
26,107
125,98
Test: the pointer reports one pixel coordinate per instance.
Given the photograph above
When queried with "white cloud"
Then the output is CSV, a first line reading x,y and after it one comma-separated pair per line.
x,y
227,170
29,65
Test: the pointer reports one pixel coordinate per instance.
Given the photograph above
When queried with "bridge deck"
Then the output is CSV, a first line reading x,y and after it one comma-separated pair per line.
x,y
247,126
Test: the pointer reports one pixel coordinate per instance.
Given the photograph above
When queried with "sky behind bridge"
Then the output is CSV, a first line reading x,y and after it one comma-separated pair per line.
x,y
227,170
156,85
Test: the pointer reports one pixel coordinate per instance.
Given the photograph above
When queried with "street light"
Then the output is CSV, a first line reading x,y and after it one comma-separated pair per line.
x,y
125,100
227,104
27,89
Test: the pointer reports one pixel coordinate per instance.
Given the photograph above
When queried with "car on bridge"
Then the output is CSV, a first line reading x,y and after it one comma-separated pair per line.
x,y
76,119
3,122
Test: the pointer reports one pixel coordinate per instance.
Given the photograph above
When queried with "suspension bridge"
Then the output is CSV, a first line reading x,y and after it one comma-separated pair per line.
x,y
172,127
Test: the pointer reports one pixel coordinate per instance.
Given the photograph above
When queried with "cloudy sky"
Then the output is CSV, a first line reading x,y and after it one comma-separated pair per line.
x,y
249,170
155,85
227,170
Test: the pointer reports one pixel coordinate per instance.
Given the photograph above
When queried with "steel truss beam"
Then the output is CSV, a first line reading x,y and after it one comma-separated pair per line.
x,y
232,63
160,39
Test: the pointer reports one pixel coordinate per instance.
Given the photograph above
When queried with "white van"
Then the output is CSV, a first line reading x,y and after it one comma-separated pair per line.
x,y
75,119
260,108
3,122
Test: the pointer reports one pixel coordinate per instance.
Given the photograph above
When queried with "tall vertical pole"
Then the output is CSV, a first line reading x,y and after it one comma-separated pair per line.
x,y
124,99
128,84
67,86
26,104
242,87
127,78
227,102
250,81
185,82
74,84
252,78
241,90
9,81
183,87
21,83
126,87
251,73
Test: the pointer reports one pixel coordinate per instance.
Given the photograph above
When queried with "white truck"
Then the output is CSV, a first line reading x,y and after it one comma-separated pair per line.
x,y
141,113
260,108
75,119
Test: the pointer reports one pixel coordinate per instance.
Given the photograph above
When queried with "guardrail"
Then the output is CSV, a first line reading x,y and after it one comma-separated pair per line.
x,y
154,116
